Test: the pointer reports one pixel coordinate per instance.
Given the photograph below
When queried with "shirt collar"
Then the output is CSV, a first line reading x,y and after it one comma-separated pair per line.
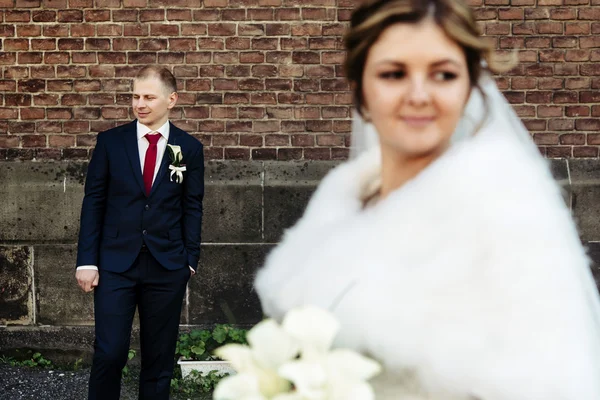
x,y
142,130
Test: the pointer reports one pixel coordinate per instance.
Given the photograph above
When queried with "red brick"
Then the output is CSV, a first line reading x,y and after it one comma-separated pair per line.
x,y
44,16
577,83
549,111
56,58
550,83
287,14
56,30
19,127
73,99
32,85
565,41
549,28
83,30
251,140
565,97
9,113
559,152
287,154
16,15
61,141
590,69
22,30
592,139
17,100
589,42
70,44
33,140
585,152
577,28
587,124
49,127
264,44
572,139
59,113
264,154
588,14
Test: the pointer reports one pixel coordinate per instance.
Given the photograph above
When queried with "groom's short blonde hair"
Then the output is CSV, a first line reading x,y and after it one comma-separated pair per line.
x,y
163,74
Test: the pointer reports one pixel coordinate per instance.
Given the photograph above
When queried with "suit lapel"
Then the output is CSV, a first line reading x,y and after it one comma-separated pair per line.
x,y
133,152
166,160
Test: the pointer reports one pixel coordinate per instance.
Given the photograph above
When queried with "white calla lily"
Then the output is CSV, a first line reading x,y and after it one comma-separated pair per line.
x,y
270,365
243,359
352,365
289,396
238,387
313,327
271,345
175,153
238,355
309,378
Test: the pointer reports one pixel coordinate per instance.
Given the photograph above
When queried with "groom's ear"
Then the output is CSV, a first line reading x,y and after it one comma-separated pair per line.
x,y
173,100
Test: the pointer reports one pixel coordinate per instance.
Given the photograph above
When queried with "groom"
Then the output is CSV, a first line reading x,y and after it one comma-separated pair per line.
x,y
139,239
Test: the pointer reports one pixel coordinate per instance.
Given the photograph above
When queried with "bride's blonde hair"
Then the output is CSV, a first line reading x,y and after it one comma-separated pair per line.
x,y
455,17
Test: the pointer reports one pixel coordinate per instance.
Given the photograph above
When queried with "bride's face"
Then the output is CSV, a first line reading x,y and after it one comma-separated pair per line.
x,y
415,87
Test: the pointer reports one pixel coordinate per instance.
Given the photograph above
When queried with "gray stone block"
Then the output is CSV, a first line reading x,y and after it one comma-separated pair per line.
x,y
233,172
16,299
288,188
64,343
59,300
40,201
232,202
296,172
284,205
222,290
560,171
584,172
593,250
585,193
232,213
586,211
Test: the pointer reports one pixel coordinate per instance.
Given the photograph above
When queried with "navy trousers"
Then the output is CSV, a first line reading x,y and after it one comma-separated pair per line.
x,y
158,295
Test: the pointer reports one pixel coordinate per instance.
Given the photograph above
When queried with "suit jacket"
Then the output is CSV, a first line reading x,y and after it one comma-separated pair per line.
x,y
117,216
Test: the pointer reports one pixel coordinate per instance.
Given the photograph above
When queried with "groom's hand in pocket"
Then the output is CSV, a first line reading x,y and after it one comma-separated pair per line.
x,y
87,279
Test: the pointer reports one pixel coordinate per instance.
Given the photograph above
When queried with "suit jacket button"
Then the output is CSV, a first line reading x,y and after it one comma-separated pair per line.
x,y
144,232
147,207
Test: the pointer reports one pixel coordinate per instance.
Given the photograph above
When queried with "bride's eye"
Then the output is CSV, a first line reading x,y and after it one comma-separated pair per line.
x,y
392,75
444,76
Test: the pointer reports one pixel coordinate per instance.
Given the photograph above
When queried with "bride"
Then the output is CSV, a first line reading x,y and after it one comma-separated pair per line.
x,y
443,247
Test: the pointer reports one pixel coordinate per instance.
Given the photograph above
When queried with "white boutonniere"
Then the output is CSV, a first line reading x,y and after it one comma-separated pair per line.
x,y
176,167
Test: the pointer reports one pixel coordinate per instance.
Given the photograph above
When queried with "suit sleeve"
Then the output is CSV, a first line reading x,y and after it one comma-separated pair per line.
x,y
93,207
192,206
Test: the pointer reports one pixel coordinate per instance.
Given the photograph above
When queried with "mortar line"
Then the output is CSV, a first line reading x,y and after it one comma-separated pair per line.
x,y
33,290
262,208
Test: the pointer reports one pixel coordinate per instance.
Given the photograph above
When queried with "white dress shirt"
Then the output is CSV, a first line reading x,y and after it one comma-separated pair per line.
x,y
143,145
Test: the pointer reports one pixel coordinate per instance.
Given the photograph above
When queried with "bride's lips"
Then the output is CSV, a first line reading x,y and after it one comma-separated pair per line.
x,y
417,121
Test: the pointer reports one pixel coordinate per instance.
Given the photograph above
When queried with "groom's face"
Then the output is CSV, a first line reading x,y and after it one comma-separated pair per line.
x,y
151,102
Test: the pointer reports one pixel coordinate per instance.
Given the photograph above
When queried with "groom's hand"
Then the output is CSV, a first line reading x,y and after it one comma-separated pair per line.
x,y
87,279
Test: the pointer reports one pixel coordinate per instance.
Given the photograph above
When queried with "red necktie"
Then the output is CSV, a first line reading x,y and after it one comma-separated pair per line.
x,y
150,161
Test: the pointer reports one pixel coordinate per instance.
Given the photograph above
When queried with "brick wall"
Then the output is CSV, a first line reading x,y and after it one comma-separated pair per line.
x,y
261,79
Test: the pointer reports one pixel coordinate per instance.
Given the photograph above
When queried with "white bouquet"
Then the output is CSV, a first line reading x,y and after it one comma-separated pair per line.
x,y
294,361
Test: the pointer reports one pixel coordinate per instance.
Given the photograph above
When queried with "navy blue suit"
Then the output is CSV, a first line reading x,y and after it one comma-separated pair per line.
x,y
142,245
